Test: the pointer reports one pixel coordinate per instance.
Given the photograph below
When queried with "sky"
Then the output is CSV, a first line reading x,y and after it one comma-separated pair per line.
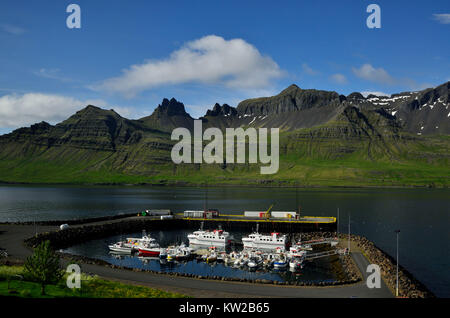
x,y
129,55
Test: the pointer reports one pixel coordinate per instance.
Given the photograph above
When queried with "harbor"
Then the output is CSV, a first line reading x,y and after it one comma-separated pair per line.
x,y
76,242
86,234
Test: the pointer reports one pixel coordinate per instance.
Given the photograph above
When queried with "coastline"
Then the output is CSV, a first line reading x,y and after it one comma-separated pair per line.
x,y
271,184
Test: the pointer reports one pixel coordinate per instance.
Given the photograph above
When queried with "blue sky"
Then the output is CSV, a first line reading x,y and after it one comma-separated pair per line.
x,y
130,55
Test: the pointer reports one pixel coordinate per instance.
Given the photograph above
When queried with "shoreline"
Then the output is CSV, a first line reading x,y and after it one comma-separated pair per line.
x,y
271,184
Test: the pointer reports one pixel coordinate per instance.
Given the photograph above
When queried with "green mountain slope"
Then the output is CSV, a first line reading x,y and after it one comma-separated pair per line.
x,y
350,144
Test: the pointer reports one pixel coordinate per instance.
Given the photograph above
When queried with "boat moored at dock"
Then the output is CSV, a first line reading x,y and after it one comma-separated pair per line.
x,y
218,238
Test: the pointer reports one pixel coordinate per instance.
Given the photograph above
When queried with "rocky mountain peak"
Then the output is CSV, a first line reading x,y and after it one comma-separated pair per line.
x,y
224,110
171,107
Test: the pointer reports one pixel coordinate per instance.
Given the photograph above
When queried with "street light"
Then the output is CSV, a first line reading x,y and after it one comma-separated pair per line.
x,y
396,285
349,233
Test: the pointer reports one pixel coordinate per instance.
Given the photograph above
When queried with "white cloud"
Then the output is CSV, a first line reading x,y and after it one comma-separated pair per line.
x,y
443,18
208,60
338,78
12,29
369,73
53,73
27,109
308,70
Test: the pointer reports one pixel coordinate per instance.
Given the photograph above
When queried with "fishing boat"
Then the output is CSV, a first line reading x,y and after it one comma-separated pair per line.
x,y
149,247
163,253
131,244
218,238
254,262
120,247
295,263
268,242
280,262
182,252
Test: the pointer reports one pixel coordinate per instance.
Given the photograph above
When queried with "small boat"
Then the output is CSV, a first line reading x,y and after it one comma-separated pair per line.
x,y
296,263
182,252
171,254
121,247
149,248
163,253
221,257
253,262
280,262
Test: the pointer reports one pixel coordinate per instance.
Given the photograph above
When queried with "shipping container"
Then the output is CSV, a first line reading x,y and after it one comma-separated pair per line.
x,y
254,214
284,214
193,214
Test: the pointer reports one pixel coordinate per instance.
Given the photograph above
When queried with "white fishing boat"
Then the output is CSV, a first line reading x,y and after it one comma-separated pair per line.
x,y
266,242
269,242
182,252
218,238
120,247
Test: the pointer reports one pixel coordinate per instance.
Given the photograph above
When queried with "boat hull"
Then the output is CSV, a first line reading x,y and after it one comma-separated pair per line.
x,y
149,252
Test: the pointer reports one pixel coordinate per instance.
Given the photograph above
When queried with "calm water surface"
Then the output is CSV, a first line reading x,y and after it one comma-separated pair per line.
x,y
422,215
315,271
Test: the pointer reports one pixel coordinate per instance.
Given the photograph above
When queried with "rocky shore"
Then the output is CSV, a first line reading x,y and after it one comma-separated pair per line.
x,y
409,287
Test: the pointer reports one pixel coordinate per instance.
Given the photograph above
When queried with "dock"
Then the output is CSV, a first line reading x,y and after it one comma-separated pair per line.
x,y
241,222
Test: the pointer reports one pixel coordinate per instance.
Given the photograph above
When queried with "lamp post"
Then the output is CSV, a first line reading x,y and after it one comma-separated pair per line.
x,y
337,223
349,233
396,284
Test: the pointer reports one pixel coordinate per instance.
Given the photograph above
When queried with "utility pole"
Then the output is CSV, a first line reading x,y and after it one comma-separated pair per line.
x,y
349,233
396,284
337,223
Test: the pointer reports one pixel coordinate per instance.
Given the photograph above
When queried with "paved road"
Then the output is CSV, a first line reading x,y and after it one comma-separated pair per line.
x,y
12,236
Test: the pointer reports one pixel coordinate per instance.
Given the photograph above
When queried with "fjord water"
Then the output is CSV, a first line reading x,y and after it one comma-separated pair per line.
x,y
422,215
315,271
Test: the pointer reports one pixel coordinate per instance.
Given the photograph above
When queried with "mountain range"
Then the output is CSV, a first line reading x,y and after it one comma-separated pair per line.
x,y
327,139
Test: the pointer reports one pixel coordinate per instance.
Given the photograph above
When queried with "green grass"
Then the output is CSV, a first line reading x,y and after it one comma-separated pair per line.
x,y
91,287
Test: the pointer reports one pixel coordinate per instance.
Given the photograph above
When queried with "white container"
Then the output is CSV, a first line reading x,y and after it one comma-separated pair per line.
x,y
63,226
283,214
255,214
166,217
193,214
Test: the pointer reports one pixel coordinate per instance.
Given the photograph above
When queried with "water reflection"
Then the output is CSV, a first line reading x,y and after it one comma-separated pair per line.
x,y
313,271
